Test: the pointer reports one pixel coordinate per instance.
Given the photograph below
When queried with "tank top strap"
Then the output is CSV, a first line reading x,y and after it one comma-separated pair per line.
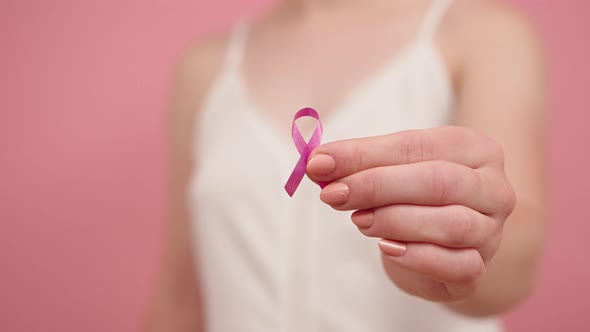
x,y
236,45
433,18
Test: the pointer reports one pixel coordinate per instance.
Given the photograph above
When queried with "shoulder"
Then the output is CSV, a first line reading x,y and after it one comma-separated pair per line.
x,y
490,36
199,63
194,72
487,9
484,26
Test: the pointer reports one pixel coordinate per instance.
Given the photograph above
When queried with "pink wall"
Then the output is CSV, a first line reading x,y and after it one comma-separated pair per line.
x,y
82,92
561,303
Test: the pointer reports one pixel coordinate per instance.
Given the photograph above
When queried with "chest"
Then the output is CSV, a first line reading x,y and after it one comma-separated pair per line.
x,y
241,146
288,68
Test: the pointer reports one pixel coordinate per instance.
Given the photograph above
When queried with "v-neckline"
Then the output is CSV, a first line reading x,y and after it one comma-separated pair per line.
x,y
338,112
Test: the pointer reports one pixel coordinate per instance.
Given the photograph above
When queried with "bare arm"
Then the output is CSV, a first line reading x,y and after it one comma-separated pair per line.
x,y
177,303
501,93
441,236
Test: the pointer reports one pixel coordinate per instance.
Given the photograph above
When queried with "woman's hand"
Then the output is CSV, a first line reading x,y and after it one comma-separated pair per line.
x,y
437,198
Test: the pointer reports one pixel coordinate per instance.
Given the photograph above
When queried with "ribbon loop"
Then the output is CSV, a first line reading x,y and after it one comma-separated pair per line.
x,y
304,148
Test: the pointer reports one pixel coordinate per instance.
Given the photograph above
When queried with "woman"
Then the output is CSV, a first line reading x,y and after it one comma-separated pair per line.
x,y
455,248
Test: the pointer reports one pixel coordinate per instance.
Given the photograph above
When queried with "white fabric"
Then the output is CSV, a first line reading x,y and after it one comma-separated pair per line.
x,y
273,263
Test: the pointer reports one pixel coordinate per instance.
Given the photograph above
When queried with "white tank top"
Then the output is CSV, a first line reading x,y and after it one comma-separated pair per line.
x,y
269,262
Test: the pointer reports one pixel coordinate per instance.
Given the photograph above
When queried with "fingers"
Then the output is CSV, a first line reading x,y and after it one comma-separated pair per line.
x,y
459,270
415,283
453,226
435,183
460,145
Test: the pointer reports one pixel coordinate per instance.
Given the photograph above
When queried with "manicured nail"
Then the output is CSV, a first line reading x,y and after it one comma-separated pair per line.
x,y
321,165
335,193
392,248
362,218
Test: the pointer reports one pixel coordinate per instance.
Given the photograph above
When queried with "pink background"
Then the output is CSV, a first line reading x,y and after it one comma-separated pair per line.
x,y
83,86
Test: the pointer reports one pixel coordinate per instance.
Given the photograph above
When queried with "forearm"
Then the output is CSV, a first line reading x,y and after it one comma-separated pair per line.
x,y
173,316
177,301
511,274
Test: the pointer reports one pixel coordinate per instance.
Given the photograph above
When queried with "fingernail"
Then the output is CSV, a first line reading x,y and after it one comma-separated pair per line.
x,y
392,248
363,218
335,194
321,165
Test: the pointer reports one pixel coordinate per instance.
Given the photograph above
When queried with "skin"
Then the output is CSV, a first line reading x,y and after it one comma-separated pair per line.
x,y
468,232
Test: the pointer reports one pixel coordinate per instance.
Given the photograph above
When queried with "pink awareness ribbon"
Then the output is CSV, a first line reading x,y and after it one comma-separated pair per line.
x,y
304,149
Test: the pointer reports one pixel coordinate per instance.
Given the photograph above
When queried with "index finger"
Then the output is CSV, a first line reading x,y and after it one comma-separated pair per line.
x,y
459,145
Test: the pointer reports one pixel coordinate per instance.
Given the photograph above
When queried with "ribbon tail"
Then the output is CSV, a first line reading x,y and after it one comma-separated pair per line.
x,y
296,176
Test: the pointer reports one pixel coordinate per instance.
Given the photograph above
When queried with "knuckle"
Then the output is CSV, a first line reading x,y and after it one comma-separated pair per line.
x,y
445,294
416,146
388,224
452,293
473,268
461,227
508,198
435,290
495,150
488,252
442,182
371,188
357,157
